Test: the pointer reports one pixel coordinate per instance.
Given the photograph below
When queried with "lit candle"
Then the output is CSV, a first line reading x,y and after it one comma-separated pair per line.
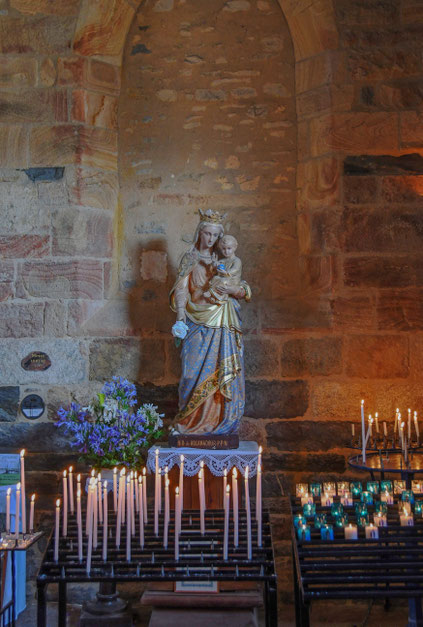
x,y
387,498
17,514
201,499
78,483
79,522
326,500
105,522
94,500
203,484
56,532
416,426
90,526
409,424
31,514
259,507
380,519
346,499
351,532
71,500
123,495
65,504
176,524
166,515
141,510
226,527
372,532
156,517
119,510
246,490
181,482
132,503
369,433
225,483
248,512
156,481
144,494
128,519
385,429
406,519
115,500
363,433
137,500
8,493
100,509
89,506
235,505
377,422
22,459
259,455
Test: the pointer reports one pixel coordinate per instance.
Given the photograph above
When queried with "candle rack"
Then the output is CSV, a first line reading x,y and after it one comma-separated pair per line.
x,y
200,558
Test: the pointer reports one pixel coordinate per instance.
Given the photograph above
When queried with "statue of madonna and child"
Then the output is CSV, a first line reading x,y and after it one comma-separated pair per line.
x,y
206,299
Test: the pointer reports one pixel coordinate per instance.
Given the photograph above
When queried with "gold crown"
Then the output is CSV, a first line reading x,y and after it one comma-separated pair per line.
x,y
214,217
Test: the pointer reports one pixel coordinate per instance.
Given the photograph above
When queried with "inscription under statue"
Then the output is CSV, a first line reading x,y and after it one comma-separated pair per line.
x,y
36,361
206,298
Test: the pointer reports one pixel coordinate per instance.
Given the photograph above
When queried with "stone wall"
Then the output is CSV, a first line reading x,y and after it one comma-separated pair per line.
x,y
302,121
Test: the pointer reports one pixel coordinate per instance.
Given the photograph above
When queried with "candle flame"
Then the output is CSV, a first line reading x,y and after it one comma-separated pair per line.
x,y
362,401
143,471
140,479
9,491
260,449
93,473
65,472
259,468
202,464
70,469
177,491
160,471
22,453
105,485
235,473
33,498
402,425
78,478
166,469
182,459
409,410
115,470
228,488
246,472
157,451
58,503
225,472
376,415
132,474
18,486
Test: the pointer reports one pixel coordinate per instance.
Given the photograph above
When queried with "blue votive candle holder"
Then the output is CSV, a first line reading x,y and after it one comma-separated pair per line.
x,y
363,520
366,497
360,508
316,489
320,520
381,507
304,533
309,510
418,507
407,497
386,485
337,509
373,487
326,532
341,521
299,520
356,488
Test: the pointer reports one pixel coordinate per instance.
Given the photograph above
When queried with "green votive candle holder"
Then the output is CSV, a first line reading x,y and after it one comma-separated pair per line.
x,y
373,487
386,485
309,510
326,532
299,520
418,507
363,520
360,508
316,489
320,520
337,509
407,497
356,488
366,497
304,533
381,507
341,521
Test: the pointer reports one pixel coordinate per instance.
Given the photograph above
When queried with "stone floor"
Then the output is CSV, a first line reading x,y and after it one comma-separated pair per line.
x,y
340,614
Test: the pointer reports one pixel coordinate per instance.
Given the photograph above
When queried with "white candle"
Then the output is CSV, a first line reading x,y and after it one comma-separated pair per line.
x,y
352,429
351,532
94,500
31,514
132,504
226,527
259,507
377,422
248,513
123,495
203,484
65,504
246,490
363,433
387,498
78,483
181,482
416,426
346,499
409,424
141,511
144,494
79,522
166,515
56,532
137,500
371,532
326,500
22,459
119,511
115,501
225,483
235,505
380,519
8,493
105,522
369,433
201,499
89,506
90,526
17,512
385,429
100,508
156,480
259,455
406,519
71,500
128,519
156,516
176,524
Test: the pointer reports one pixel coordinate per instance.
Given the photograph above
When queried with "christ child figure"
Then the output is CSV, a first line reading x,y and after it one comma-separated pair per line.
x,y
228,271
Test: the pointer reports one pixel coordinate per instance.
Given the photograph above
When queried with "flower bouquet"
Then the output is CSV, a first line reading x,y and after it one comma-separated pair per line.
x,y
110,431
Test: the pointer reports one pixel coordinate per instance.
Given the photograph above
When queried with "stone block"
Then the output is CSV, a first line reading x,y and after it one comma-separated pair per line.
x,y
373,12
79,232
261,358
9,403
44,35
55,319
319,272
411,12
13,146
400,310
399,96
68,361
315,101
54,145
407,164
91,187
377,356
313,356
24,246
307,435
164,396
63,279
20,210
416,354
353,313
354,133
102,318
382,230
251,430
270,399
102,27
385,63
34,436
71,71
318,183
7,273
21,320
18,72
48,72
309,462
411,128
326,232
313,72
102,76
98,148
94,108
404,190
46,7
293,313
154,265
360,190
313,28
6,291
138,360
391,272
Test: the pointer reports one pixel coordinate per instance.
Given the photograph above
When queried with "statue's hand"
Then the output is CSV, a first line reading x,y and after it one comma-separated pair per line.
x,y
181,315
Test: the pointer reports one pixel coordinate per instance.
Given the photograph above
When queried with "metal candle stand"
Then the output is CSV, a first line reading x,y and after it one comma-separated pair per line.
x,y
200,558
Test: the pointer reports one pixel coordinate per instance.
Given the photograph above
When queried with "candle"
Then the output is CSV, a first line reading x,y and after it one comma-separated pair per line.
x,y
166,515
259,507
156,480
137,500
22,460
123,495
351,532
326,500
89,505
246,490
78,483
377,422
363,433
71,500
387,497
225,483
326,532
132,505
201,499
31,514
18,496
65,504
8,493
406,519
385,429
156,516
259,455
90,526
304,533
226,525
352,430
416,426
369,432
100,508
115,499
380,519
203,484
181,482
94,500
119,510
144,494
79,522
235,505
409,425
372,532
347,500
248,512
128,519
105,522
141,510
176,524
366,497
56,532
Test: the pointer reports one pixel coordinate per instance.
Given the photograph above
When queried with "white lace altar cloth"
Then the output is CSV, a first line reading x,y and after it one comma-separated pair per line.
x,y
245,455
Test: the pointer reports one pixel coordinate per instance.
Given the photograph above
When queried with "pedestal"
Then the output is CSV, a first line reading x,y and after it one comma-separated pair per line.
x,y
109,610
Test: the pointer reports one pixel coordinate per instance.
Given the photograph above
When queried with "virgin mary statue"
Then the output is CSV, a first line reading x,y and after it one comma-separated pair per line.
x,y
212,385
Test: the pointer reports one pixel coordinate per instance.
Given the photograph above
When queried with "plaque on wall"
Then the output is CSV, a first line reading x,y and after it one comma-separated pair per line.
x,y
36,361
32,406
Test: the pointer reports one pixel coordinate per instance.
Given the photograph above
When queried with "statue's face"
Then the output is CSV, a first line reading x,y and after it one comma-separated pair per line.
x,y
208,236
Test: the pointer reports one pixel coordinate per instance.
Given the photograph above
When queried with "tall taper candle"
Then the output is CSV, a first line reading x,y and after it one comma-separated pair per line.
x,y
8,493
177,524
246,489
128,520
132,504
156,480
95,513
363,433
259,455
115,489
166,515
119,511
90,526
203,484
105,521
100,505
56,532
248,512
225,483
137,501
226,527
23,497
181,482
144,494
89,506
71,501
141,511
65,504
235,505
79,522
409,425
416,426
201,499
17,510
31,514
259,507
